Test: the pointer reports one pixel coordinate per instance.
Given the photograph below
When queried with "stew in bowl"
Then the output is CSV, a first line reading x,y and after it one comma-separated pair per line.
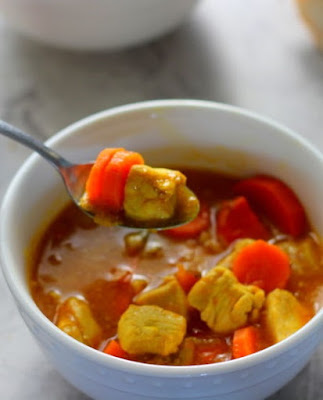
x,y
245,274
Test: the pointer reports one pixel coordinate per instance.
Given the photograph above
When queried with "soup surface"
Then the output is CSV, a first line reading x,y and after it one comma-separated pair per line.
x,y
105,286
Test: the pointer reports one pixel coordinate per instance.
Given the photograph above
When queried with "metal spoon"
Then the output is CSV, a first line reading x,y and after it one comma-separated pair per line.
x,y
75,176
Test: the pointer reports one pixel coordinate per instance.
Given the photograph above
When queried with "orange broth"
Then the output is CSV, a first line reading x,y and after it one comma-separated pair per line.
x,y
76,257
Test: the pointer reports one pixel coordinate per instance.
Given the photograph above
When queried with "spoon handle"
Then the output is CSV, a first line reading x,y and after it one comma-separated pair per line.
x,y
27,140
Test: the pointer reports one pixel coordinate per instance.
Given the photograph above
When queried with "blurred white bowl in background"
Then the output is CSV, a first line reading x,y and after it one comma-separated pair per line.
x,y
95,25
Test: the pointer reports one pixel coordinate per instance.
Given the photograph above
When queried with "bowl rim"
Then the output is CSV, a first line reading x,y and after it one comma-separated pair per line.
x,y
24,299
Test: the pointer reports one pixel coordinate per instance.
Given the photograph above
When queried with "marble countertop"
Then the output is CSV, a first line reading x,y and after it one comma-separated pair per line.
x,y
254,54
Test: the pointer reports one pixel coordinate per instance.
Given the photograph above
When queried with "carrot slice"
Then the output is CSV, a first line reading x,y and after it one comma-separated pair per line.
x,y
262,264
115,176
114,349
245,341
235,220
186,279
276,200
193,228
94,182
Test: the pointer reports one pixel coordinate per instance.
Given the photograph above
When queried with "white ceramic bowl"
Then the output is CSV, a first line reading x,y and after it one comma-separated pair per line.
x,y
187,132
95,25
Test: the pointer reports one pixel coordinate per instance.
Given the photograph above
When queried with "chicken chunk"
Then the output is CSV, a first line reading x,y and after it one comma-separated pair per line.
x,y
305,255
239,245
135,242
150,329
75,318
169,296
224,303
186,352
151,192
284,315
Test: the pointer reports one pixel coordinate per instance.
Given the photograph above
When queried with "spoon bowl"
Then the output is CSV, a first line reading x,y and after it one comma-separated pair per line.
x,y
75,176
